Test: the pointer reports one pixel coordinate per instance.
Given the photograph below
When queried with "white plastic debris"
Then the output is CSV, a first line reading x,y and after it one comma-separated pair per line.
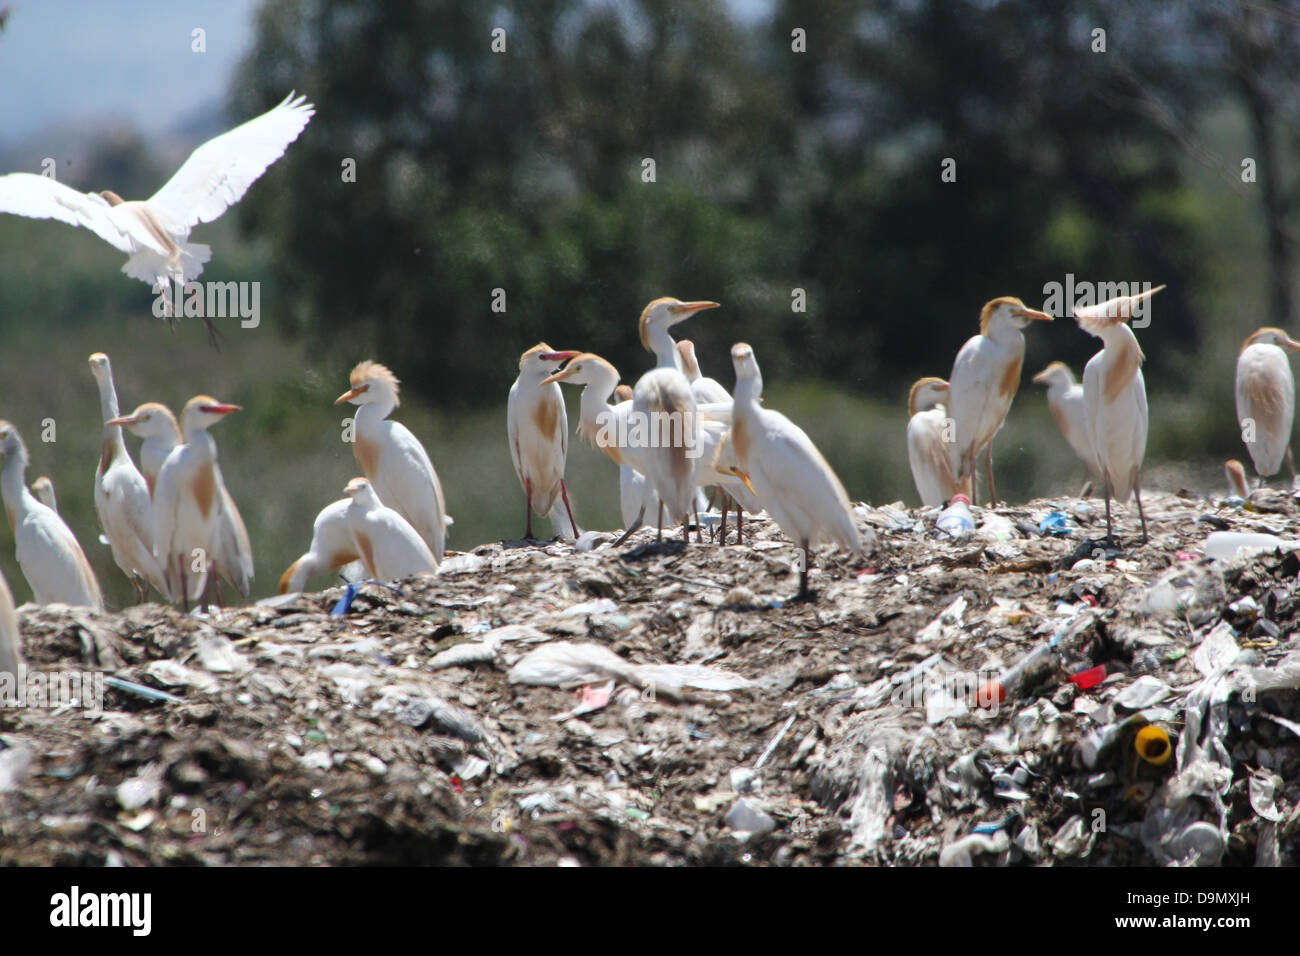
x,y
217,654
15,762
1230,545
564,664
746,816
140,790
962,852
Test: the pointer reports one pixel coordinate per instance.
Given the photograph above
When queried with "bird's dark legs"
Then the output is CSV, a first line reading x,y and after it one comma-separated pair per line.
x,y
988,465
1110,535
640,516
1137,493
564,493
725,500
185,591
528,510
740,523
804,594
659,531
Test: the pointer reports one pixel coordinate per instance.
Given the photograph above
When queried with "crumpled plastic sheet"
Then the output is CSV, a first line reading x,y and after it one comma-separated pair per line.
x,y
565,664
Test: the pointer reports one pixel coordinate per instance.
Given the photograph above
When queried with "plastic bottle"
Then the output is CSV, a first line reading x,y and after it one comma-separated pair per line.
x,y
1226,545
955,521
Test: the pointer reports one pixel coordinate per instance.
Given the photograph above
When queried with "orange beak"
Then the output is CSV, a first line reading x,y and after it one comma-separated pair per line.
x,y
557,356
690,308
220,409
1033,314
351,394
123,420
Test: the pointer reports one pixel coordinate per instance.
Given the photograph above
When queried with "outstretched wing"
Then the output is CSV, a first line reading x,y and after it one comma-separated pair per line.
x,y
219,172
40,197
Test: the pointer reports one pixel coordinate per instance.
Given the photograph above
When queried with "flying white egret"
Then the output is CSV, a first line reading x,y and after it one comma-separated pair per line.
x,y
390,547
983,383
392,458
47,551
155,232
1115,399
43,489
122,498
793,481
332,547
538,427
187,503
1266,399
927,452
1065,400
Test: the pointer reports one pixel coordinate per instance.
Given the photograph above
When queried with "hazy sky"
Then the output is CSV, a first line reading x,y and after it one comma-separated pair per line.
x,y
64,60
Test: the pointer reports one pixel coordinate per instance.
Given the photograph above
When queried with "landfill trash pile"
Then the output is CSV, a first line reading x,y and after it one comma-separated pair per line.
x,y
1018,692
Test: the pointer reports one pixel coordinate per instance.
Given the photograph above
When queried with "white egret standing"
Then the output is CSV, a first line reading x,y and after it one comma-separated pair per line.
x,y
538,427
927,452
1065,400
389,546
983,384
392,458
794,482
1266,399
47,551
187,504
1115,399
122,498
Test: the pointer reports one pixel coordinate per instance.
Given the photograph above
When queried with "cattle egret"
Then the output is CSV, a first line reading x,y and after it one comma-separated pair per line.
x,y
392,458
1115,400
43,489
1236,475
233,557
155,232
1065,399
705,389
736,487
11,650
983,383
663,401
793,481
636,496
332,547
390,547
1266,400
927,426
122,498
657,318
538,426
47,551
155,423
187,503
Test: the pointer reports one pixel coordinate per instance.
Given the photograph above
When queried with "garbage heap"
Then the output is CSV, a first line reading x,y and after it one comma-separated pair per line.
x,y
1025,693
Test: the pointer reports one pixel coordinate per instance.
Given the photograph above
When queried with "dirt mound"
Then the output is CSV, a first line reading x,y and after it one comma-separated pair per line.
x,y
713,720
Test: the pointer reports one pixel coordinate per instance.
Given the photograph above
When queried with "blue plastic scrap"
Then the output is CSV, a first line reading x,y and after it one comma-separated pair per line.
x,y
1055,523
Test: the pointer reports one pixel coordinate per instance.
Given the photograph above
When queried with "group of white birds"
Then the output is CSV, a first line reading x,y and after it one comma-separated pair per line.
x,y
676,431
953,423
172,525
1104,419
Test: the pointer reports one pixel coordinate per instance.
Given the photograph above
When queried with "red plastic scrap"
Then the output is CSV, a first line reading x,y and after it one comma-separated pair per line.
x,y
1086,680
